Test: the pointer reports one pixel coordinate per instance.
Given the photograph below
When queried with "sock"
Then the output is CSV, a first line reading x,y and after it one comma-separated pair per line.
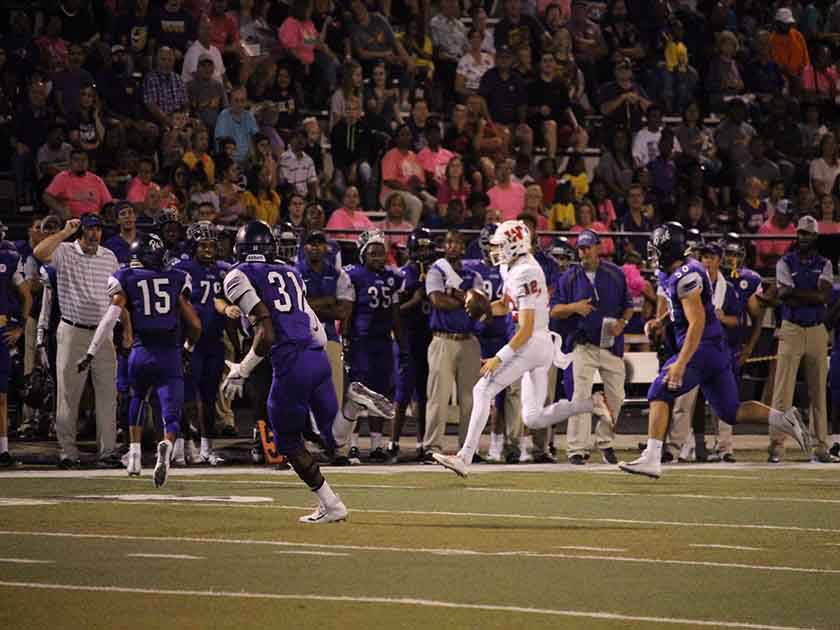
x,y
654,449
326,495
4,444
375,440
179,445
525,444
134,447
418,446
354,440
497,441
206,445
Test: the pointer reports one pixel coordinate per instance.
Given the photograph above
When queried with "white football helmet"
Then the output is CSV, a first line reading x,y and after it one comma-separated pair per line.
x,y
511,240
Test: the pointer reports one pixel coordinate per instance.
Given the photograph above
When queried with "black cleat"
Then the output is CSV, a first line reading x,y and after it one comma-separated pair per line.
x,y
667,456
545,458
729,458
577,459
835,449
378,455
429,458
111,461
7,461
354,456
393,453
608,455
65,463
477,459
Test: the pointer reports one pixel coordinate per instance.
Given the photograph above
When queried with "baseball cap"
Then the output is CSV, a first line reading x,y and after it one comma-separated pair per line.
x,y
785,16
713,248
785,207
90,220
808,224
588,238
117,48
205,57
316,237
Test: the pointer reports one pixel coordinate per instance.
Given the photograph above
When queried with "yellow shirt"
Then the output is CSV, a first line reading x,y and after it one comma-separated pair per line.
x,y
190,159
676,55
561,216
580,184
264,209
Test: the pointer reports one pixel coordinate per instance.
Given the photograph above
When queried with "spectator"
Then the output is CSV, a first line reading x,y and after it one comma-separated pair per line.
x,y
623,101
197,155
758,165
504,91
449,36
752,211
299,36
825,169
163,90
589,45
829,222
723,76
224,29
207,96
472,65
395,212
621,36
780,223
550,110
434,158
297,170
238,123
349,217
173,27
232,205
635,220
507,196
787,46
819,79
82,272
615,168
352,145
517,28
454,185
351,86
646,141
199,48
762,75
141,183
585,220
261,201
403,173
288,97
76,191
53,156
67,82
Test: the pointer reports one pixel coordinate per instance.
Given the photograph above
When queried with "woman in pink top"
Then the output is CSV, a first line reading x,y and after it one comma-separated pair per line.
x,y
828,221
585,215
141,182
768,251
394,220
299,36
535,206
402,173
349,217
454,185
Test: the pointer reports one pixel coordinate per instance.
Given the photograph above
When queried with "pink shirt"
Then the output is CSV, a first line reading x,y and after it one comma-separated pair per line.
x,y
829,227
401,168
446,194
510,201
435,162
635,281
607,245
299,38
768,251
87,193
396,239
343,219
137,190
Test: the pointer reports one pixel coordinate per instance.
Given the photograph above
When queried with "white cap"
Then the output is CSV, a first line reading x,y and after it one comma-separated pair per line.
x,y
808,224
785,16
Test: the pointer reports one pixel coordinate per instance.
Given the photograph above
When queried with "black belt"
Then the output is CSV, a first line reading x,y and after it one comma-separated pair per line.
x,y
805,325
76,325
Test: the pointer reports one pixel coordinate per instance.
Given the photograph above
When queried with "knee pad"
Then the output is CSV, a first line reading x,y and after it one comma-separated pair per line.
x,y
306,468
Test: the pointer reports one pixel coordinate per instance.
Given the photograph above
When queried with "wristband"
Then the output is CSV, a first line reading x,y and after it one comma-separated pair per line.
x,y
505,354
251,360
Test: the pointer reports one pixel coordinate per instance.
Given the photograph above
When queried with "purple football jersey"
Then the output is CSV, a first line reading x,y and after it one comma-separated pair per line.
x,y
152,302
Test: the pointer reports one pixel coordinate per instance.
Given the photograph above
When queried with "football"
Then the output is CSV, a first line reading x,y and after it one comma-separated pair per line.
x,y
477,304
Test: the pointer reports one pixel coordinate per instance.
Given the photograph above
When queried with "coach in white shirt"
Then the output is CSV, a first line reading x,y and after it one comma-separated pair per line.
x,y
83,268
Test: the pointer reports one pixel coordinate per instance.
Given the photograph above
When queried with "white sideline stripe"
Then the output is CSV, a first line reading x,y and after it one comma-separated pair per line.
x,y
433,551
430,603
165,556
581,548
298,484
535,517
710,497
300,552
735,547
26,561
13,502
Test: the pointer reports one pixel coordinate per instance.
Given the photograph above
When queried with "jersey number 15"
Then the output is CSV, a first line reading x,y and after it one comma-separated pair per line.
x,y
162,303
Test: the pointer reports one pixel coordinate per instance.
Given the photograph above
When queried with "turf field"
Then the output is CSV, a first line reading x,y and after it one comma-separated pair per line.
x,y
731,546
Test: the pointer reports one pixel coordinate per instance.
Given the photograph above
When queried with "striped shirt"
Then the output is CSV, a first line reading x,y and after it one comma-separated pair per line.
x,y
83,282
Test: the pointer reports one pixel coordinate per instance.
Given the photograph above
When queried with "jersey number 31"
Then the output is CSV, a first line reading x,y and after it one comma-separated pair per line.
x,y
284,302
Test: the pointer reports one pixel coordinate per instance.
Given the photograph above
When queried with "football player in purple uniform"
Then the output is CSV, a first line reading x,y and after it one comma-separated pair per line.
x,y
157,300
703,358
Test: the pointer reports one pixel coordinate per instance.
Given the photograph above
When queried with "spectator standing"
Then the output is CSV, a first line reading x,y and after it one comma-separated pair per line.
x,y
83,269
173,27
472,66
787,46
238,123
352,145
507,195
200,47
449,36
76,191
805,281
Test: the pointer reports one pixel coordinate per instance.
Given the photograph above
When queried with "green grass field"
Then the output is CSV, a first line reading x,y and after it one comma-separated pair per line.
x,y
743,546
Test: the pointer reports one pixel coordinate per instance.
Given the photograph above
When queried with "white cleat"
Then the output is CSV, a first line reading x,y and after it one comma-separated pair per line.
x,y
453,463
494,457
377,404
178,458
191,453
324,514
164,455
642,466
133,464
210,458
792,425
525,457
600,408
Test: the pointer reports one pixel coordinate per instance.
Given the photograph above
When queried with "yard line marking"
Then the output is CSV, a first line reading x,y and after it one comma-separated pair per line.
x,y
735,547
581,548
300,552
15,502
26,561
596,493
434,551
291,484
407,601
166,498
165,556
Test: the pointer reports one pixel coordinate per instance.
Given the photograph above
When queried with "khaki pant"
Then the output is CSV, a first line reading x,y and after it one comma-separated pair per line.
x,y
333,349
587,358
29,353
452,362
807,346
72,345
681,416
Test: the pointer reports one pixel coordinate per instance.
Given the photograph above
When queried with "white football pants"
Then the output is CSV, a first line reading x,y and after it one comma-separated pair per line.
x,y
531,364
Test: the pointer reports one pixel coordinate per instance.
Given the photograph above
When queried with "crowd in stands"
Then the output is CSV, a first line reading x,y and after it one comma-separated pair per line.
x,y
344,115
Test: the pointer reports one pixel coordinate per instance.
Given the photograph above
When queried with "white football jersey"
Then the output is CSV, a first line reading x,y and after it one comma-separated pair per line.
x,y
525,288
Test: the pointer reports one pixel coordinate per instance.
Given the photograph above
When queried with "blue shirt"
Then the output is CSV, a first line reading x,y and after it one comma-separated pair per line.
x,y
551,269
610,298
415,320
241,131
794,272
152,303
120,247
691,276
492,285
206,281
9,268
745,282
456,321
324,283
374,296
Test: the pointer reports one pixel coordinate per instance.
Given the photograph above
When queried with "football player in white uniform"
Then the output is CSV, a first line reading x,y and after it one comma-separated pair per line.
x,y
528,355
